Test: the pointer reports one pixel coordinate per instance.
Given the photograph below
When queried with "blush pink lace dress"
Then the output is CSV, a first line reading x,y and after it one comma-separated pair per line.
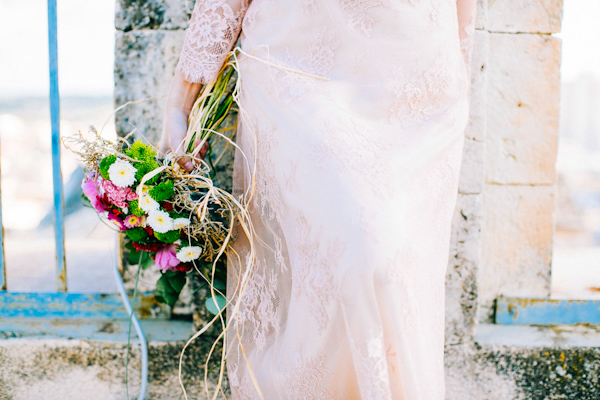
x,y
356,183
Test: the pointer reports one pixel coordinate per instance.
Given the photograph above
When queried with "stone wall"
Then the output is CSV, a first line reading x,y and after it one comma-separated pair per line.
x,y
504,219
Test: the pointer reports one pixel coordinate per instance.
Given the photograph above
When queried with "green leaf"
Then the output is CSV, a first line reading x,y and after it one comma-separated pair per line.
x,y
219,284
210,304
177,279
167,237
136,234
139,257
169,286
161,192
105,164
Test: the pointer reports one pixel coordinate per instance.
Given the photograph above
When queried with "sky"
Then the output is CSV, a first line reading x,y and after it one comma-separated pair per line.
x,y
86,37
86,45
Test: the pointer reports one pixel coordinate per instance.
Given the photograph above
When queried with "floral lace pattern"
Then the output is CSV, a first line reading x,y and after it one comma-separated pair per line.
x,y
421,96
360,16
318,58
267,189
312,276
212,30
304,377
260,299
372,367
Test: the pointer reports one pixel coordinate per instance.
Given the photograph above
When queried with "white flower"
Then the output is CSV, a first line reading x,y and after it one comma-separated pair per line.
x,y
160,221
147,203
122,173
189,253
181,223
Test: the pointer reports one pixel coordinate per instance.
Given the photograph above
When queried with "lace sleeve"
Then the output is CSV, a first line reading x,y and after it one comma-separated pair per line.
x,y
214,27
466,29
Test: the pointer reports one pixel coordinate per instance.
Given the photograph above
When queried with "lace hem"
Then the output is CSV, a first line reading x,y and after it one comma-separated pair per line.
x,y
212,31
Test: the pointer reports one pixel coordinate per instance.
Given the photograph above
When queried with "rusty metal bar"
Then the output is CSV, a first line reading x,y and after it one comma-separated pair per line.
x,y
63,305
544,311
59,201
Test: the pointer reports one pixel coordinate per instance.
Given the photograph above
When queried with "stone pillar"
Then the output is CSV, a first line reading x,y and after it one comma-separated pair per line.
x,y
521,145
149,37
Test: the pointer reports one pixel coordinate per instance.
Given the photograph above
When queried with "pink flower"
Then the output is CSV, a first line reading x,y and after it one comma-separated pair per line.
x,y
132,221
118,196
90,190
117,220
166,258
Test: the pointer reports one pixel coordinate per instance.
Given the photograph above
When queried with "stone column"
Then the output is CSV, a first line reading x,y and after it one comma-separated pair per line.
x,y
521,146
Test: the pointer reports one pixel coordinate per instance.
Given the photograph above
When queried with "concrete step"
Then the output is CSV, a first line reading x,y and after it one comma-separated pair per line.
x,y
85,360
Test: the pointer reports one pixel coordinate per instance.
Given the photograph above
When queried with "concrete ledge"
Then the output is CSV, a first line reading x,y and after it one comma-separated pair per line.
x,y
537,336
51,367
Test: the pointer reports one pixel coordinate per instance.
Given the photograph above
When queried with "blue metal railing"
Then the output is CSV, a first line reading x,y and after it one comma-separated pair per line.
x,y
59,200
62,304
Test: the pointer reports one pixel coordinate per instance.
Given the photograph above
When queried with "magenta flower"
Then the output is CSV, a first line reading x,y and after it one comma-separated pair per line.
x,y
117,221
117,195
132,221
166,258
90,190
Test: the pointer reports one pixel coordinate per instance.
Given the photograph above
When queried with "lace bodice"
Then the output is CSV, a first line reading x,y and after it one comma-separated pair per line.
x,y
212,31
215,25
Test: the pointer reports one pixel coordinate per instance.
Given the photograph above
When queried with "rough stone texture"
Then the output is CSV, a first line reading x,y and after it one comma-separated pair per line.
x,y
472,169
478,95
481,17
152,14
523,102
54,369
145,63
461,276
540,16
517,233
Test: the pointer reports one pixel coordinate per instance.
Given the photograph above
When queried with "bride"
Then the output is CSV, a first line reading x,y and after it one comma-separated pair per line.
x,y
355,111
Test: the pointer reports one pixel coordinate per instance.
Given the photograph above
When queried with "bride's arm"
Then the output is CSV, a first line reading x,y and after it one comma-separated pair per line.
x,y
214,27
466,10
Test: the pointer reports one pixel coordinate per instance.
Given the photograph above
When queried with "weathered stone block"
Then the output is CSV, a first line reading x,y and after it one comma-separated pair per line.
x,y
470,180
53,369
481,16
541,16
478,94
517,233
522,109
464,258
152,14
144,66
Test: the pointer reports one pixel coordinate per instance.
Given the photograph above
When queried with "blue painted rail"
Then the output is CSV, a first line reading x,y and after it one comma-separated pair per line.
x,y
57,181
60,304
544,311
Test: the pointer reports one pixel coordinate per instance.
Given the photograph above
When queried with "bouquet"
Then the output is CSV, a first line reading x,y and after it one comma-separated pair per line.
x,y
181,221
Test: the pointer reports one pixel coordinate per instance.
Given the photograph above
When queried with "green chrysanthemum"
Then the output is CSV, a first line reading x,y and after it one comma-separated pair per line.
x,y
134,208
140,151
161,192
105,165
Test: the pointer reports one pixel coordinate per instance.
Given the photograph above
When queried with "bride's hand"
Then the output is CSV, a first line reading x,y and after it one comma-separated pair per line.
x,y
181,98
